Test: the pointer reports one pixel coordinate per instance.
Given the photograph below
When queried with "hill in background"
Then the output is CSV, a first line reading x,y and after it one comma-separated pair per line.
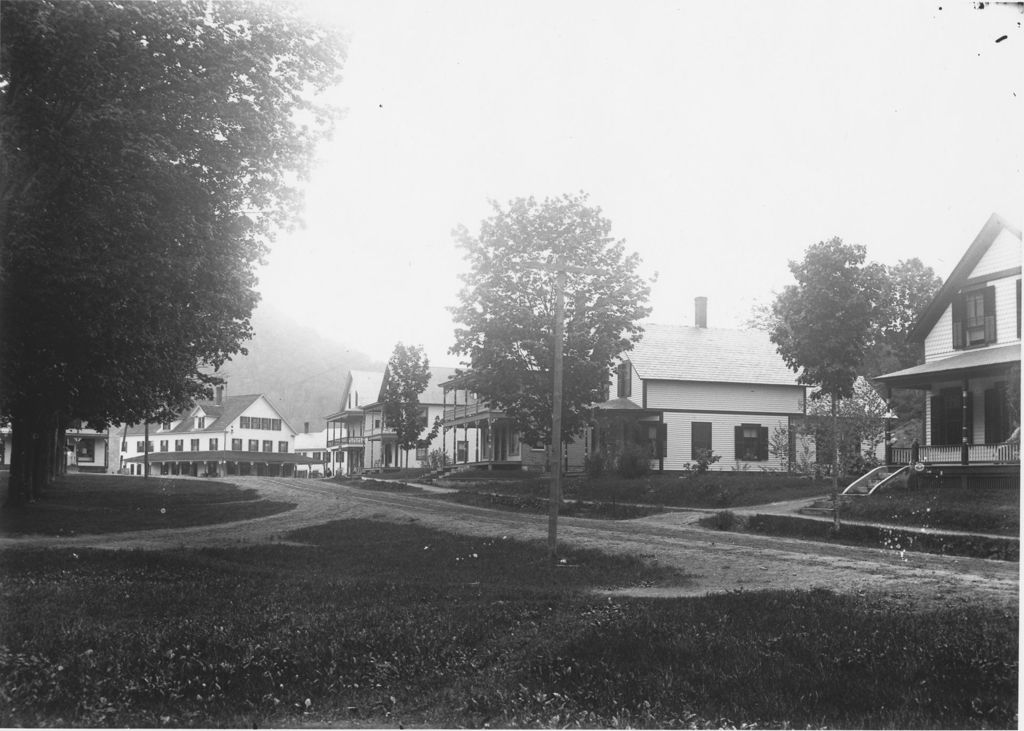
x,y
301,372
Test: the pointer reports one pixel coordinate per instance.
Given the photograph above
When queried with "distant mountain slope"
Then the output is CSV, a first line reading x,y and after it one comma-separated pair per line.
x,y
301,372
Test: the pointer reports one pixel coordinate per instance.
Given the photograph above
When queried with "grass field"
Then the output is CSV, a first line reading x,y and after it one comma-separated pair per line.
x,y
710,490
375,624
83,504
979,510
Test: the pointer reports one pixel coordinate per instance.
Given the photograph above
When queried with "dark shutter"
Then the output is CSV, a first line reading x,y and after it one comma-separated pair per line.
x,y
938,417
990,315
958,322
762,443
662,440
739,442
994,416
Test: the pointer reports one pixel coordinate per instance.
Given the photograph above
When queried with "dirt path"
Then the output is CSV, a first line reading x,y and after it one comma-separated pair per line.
x,y
714,561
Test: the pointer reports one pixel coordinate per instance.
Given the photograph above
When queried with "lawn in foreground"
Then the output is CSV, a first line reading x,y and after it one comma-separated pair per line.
x,y
378,624
80,504
978,510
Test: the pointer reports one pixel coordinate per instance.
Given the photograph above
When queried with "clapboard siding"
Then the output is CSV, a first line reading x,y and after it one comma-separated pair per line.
x,y
1003,254
727,397
723,438
939,342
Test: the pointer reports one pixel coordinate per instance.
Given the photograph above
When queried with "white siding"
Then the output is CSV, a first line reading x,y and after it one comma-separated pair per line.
x,y
725,397
939,342
723,439
1004,253
977,387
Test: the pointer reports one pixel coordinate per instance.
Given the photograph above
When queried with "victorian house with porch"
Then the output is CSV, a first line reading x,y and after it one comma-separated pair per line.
x,y
971,374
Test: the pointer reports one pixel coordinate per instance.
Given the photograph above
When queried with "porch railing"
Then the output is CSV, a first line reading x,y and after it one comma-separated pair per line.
x,y
952,454
344,441
461,411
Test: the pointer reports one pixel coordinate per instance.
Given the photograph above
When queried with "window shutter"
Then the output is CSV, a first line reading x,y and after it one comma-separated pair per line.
x,y
762,443
958,322
662,440
970,420
990,315
739,442
993,416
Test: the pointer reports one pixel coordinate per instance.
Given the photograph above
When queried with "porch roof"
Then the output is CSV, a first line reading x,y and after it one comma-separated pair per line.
x,y
225,456
986,361
625,404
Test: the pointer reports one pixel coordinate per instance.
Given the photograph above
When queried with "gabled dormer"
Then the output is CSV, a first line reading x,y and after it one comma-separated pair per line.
x,y
979,304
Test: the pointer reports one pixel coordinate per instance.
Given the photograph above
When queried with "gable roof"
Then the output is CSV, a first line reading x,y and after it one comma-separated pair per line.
x,y
961,273
712,355
218,416
365,385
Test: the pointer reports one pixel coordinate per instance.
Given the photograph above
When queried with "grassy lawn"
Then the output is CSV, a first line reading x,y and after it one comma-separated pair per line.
x,y
986,511
710,490
992,510
87,504
375,624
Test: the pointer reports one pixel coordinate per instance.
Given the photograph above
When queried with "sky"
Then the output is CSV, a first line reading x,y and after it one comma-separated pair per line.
x,y
720,139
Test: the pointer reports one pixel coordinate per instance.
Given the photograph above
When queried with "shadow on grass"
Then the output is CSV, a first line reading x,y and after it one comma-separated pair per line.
x,y
377,624
87,504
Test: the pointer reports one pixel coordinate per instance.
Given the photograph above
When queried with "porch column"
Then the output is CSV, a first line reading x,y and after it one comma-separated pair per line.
x,y
888,427
964,451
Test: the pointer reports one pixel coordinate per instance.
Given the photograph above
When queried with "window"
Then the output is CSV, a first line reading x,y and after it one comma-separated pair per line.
x,y
974,318
624,382
700,437
421,454
266,424
193,445
85,450
462,452
243,422
276,424
998,420
163,445
179,445
282,446
214,445
268,446
752,442
254,445
141,446
948,417
236,445
200,422
376,423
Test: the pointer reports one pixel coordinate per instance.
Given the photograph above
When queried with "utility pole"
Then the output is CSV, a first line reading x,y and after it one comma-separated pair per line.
x,y
555,496
145,458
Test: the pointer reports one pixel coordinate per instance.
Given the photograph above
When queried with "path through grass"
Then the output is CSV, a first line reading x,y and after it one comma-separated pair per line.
x,y
377,624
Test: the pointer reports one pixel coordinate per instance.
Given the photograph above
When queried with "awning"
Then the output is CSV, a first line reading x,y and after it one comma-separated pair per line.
x,y
967,364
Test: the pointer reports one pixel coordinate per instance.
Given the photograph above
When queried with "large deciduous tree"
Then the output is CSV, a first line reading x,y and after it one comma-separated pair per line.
x,y
506,312
149,151
406,377
823,325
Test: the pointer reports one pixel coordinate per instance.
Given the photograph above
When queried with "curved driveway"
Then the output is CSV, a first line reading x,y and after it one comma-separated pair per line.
x,y
714,561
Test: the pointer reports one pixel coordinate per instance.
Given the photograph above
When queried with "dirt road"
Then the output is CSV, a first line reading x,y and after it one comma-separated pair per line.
x,y
714,561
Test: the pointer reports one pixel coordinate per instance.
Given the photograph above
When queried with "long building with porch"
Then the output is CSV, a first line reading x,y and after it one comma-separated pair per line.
x,y
235,435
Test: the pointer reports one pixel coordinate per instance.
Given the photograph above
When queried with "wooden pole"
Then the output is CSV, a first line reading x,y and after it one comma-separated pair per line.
x,y
556,418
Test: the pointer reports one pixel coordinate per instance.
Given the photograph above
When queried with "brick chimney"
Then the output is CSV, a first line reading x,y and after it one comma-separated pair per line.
x,y
305,427
700,312
218,395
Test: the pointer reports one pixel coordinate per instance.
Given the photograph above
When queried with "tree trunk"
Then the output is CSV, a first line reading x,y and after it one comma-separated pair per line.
x,y
835,465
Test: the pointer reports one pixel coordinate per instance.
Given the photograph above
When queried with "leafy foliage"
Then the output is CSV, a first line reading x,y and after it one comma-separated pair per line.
x,y
506,309
406,377
148,152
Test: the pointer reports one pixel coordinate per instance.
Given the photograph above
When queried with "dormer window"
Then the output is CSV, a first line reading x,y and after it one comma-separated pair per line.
x,y
200,422
974,318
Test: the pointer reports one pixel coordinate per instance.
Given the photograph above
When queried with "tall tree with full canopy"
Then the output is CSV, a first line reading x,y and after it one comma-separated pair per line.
x,y
406,377
823,324
506,312
149,152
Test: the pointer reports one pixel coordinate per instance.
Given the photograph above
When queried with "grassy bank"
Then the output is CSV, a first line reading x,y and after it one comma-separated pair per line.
x,y
85,504
709,490
980,510
375,624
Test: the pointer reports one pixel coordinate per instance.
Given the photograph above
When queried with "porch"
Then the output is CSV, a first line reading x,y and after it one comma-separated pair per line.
x,y
958,454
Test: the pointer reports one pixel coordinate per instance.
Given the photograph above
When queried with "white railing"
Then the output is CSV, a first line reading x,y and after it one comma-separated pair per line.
x,y
952,454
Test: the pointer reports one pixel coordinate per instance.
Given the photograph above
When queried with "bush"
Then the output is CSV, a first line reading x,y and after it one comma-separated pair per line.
x,y
726,520
702,462
634,461
594,465
437,459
